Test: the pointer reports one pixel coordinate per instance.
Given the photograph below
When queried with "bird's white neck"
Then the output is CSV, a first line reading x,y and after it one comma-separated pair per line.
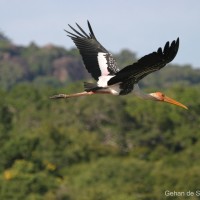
x,y
141,94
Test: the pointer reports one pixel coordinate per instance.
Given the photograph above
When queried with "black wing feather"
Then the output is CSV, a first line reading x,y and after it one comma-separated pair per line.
x,y
82,31
89,49
147,64
91,31
76,32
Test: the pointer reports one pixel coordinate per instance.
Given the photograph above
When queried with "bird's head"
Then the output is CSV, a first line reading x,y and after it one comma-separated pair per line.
x,y
159,96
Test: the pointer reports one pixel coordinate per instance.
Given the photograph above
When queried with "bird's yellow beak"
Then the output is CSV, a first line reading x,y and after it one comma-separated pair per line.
x,y
172,101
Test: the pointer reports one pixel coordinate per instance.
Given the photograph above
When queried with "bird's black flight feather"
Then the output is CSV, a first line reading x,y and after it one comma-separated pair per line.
x,y
89,49
147,64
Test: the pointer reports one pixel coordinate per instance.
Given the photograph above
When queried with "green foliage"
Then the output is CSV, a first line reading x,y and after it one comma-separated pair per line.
x,y
98,147
5,43
125,57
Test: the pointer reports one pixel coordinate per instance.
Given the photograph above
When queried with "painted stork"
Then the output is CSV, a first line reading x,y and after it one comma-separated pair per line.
x,y
110,80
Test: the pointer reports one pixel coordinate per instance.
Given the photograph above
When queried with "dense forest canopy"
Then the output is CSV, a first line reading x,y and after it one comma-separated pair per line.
x,y
93,148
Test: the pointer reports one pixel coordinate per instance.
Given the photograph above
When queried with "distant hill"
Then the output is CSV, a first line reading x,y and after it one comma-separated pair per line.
x,y
56,66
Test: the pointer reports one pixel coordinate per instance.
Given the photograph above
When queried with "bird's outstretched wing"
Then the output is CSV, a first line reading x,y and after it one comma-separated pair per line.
x,y
147,64
98,61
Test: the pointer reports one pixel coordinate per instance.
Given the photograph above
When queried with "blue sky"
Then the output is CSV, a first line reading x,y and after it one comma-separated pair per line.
x,y
139,25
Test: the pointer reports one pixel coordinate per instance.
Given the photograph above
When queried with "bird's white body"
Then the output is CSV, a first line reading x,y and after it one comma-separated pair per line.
x,y
115,89
103,82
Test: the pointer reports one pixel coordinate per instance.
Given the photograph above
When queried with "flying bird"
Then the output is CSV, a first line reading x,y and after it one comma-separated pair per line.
x,y
109,79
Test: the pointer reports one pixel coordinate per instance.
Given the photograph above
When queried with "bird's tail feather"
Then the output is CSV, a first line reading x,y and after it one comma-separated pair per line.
x,y
91,87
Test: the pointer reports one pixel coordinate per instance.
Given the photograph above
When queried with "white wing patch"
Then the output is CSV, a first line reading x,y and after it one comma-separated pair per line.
x,y
103,81
103,63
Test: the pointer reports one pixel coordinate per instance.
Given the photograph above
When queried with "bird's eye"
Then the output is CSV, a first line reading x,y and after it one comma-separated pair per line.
x,y
162,96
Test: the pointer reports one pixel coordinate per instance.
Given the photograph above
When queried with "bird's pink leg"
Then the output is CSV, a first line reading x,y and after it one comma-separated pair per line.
x,y
65,96
102,92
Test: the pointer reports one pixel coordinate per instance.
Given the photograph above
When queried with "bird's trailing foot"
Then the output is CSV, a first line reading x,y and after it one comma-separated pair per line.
x,y
59,96
65,96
